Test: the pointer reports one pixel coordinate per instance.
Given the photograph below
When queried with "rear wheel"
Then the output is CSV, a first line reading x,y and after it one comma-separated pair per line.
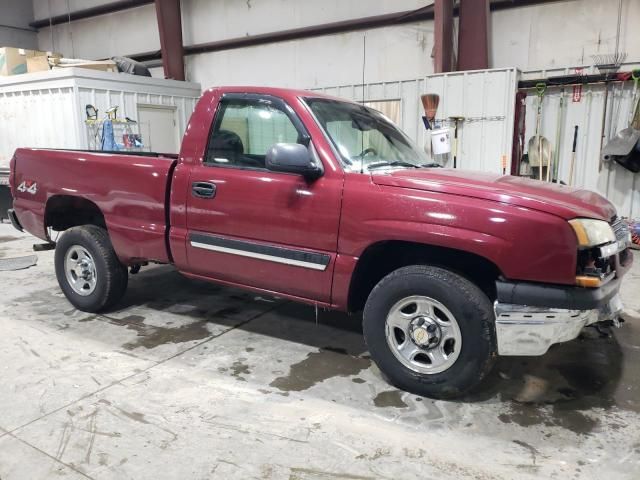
x,y
88,270
430,331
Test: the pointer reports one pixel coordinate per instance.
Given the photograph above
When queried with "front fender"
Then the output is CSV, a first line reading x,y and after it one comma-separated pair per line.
x,y
449,236
524,244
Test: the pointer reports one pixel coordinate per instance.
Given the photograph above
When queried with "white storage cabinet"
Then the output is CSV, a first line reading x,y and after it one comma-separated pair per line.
x,y
47,109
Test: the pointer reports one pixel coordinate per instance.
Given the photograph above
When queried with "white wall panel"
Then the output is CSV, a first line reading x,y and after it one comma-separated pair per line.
x,y
44,8
328,60
484,97
208,21
14,25
558,34
121,33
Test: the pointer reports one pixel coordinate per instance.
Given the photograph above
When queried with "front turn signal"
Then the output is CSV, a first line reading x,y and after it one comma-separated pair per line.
x,y
586,281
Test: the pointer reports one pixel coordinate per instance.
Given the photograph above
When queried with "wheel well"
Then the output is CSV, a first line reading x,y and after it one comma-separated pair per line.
x,y
382,258
66,211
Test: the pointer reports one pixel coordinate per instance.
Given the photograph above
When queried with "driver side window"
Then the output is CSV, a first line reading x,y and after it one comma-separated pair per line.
x,y
244,130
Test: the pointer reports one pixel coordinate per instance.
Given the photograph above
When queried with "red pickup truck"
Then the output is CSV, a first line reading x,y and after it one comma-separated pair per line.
x,y
325,201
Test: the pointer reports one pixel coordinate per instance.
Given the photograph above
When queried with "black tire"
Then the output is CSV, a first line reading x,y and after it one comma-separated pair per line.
x,y
111,275
473,313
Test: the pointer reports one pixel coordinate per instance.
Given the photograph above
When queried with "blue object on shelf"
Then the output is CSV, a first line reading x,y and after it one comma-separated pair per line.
x,y
108,138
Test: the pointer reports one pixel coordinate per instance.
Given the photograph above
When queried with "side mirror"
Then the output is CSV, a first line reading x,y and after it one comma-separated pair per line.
x,y
292,158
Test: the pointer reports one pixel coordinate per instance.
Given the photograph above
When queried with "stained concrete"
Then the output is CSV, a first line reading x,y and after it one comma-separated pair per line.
x,y
191,380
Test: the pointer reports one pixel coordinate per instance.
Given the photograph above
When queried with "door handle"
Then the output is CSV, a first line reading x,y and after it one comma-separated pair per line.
x,y
203,189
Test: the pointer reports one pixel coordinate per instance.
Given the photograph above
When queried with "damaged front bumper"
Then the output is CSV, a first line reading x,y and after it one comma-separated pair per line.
x,y
524,330
528,328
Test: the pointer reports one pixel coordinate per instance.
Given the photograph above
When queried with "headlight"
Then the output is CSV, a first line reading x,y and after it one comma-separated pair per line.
x,y
592,232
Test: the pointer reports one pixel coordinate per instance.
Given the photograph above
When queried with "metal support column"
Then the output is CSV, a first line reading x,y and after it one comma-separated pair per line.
x,y
473,37
170,28
443,36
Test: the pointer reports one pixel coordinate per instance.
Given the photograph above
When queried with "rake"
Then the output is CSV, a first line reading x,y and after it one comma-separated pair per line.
x,y
609,62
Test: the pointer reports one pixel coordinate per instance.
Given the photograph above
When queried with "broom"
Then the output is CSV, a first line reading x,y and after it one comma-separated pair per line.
x,y
430,103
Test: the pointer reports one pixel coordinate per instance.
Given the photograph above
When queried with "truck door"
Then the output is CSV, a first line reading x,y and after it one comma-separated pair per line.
x,y
250,226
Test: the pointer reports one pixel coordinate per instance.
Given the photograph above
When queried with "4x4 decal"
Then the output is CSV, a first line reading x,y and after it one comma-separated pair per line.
x,y
28,186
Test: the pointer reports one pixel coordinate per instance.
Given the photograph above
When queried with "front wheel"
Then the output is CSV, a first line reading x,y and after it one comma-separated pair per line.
x,y
88,270
430,331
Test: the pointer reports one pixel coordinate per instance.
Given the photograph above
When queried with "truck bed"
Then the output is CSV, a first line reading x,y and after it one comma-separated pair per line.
x,y
131,191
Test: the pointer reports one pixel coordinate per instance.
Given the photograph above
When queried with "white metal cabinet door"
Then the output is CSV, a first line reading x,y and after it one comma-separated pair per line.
x,y
158,128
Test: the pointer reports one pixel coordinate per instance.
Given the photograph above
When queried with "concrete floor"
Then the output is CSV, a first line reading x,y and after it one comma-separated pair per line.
x,y
191,380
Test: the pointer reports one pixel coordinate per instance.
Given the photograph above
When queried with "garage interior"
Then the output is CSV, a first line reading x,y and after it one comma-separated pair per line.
x,y
189,379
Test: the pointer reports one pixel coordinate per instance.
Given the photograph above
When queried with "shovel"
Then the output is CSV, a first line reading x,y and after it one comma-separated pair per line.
x,y
539,153
539,148
622,144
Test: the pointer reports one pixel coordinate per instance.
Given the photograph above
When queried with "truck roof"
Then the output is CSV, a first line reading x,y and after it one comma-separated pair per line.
x,y
285,93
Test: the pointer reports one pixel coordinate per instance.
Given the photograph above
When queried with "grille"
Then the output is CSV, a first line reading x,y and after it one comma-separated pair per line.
x,y
620,228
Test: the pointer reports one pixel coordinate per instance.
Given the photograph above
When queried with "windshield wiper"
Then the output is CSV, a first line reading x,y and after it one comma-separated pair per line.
x,y
400,163
395,163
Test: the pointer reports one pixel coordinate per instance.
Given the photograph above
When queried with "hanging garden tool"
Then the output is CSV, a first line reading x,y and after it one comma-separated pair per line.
x,y
539,148
430,102
573,154
624,148
456,138
604,123
556,153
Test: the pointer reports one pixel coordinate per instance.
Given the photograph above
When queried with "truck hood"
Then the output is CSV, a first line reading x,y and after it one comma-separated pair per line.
x,y
559,200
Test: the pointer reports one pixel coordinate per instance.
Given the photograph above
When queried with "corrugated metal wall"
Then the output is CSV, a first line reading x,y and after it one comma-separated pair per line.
x,y
484,97
595,127
48,109
36,118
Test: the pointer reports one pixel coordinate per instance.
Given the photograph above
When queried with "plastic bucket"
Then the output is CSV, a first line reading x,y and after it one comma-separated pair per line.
x,y
440,141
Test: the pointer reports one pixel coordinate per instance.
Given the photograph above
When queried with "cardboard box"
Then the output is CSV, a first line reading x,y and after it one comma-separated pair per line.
x,y
13,61
39,63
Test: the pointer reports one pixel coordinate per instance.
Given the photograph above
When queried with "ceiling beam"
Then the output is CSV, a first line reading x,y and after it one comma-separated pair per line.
x,y
89,12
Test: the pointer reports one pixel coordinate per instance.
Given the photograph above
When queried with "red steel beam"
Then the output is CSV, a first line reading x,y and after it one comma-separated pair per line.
x,y
443,36
90,12
473,36
170,28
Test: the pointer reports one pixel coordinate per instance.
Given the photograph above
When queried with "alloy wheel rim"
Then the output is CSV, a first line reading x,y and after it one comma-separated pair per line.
x,y
80,270
423,334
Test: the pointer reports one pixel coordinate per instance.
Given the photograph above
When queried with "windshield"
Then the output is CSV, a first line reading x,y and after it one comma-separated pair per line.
x,y
365,139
